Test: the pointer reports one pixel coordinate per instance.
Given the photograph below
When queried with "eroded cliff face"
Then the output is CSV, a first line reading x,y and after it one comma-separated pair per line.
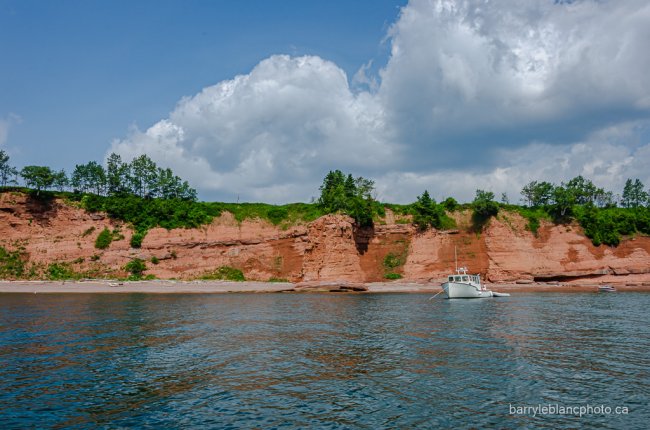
x,y
328,249
560,253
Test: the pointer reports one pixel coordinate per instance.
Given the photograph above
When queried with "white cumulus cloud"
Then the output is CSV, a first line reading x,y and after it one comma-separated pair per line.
x,y
475,94
271,134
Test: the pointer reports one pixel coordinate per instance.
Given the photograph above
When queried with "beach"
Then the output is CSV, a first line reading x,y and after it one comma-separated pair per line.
x,y
208,287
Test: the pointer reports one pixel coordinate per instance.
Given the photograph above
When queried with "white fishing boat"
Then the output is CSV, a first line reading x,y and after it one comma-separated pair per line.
x,y
462,285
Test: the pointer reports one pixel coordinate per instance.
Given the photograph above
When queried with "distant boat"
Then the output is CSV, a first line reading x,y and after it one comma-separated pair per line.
x,y
606,289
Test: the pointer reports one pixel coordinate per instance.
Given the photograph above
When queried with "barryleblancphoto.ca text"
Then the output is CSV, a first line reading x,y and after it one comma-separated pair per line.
x,y
559,409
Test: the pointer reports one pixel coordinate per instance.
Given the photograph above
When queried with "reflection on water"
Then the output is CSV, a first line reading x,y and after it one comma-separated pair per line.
x,y
320,360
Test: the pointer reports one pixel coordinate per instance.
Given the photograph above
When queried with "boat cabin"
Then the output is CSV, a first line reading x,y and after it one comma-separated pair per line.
x,y
474,279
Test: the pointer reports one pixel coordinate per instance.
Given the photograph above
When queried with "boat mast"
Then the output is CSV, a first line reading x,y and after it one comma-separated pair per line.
x,y
456,258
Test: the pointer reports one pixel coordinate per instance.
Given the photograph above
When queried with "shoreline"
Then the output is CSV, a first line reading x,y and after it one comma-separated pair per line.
x,y
216,287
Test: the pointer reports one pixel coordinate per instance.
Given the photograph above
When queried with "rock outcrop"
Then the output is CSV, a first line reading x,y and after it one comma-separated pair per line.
x,y
329,249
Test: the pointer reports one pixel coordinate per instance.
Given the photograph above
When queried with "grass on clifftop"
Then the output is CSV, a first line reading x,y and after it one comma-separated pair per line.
x,y
145,213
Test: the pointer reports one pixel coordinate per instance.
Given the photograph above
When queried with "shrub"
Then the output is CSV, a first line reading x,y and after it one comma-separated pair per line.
x,y
104,239
392,276
12,263
137,238
533,224
427,213
450,204
88,232
135,267
484,207
278,280
155,260
392,261
60,271
225,273
277,214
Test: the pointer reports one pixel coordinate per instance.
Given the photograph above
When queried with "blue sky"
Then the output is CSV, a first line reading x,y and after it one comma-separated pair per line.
x,y
79,73
259,99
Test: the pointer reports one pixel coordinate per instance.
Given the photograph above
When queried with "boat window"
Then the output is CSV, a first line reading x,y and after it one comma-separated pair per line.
x,y
465,279
457,278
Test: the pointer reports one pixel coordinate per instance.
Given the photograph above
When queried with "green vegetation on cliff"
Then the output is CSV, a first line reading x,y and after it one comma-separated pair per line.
x,y
145,196
225,273
12,264
595,209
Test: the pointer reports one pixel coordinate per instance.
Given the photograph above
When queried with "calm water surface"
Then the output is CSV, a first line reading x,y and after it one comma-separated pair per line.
x,y
321,360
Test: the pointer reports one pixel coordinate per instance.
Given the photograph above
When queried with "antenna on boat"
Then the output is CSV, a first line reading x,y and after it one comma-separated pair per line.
x,y
456,257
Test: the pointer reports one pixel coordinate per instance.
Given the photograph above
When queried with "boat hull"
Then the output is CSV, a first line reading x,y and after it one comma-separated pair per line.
x,y
455,290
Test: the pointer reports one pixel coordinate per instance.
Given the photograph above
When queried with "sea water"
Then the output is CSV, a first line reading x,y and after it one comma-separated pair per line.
x,y
364,361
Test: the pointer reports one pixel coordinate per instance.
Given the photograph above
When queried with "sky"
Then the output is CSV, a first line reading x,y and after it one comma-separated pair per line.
x,y
256,100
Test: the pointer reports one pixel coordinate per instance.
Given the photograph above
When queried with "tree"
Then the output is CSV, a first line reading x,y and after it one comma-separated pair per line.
x,y
7,173
185,192
117,174
38,177
89,177
484,205
143,176
538,193
341,193
604,199
634,194
170,186
426,213
333,192
78,180
583,190
60,180
96,177
564,200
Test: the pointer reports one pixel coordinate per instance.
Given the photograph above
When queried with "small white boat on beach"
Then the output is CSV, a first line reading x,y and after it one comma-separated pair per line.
x,y
606,289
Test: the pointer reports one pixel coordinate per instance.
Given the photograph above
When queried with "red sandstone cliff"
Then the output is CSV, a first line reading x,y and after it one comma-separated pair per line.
x,y
330,248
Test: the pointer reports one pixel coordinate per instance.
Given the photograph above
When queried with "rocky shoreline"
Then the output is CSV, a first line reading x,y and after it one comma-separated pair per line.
x,y
208,287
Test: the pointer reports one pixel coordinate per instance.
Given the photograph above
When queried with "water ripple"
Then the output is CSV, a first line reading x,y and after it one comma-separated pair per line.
x,y
323,361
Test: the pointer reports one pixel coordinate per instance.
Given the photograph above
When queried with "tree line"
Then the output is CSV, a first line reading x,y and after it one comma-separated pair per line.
x,y
604,216
582,191
141,177
146,195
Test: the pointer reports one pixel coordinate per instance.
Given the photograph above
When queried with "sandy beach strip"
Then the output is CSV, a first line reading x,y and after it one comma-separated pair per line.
x,y
148,287
206,287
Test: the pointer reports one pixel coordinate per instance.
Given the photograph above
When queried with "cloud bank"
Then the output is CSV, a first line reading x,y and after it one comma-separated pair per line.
x,y
475,94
